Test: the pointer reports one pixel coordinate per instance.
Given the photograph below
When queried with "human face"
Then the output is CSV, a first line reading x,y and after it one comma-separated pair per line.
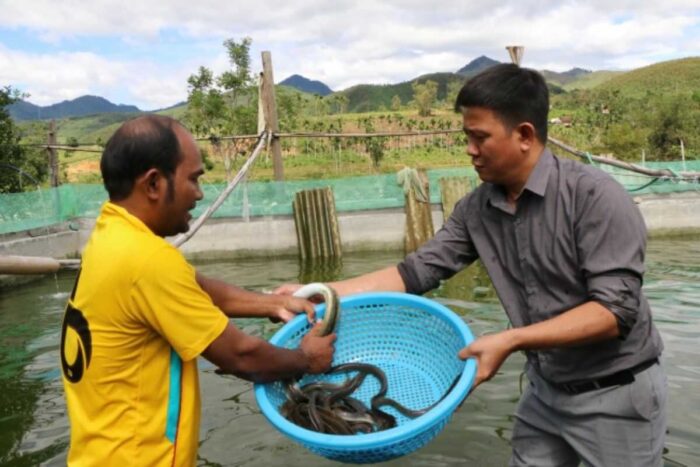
x,y
184,186
494,148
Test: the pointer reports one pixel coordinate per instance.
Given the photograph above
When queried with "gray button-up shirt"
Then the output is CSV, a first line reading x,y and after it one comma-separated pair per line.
x,y
575,236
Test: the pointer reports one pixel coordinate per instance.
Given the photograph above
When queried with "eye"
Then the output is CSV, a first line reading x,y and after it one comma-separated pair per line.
x,y
477,137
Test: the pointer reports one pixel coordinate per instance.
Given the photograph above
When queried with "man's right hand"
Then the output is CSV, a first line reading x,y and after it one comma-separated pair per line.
x,y
287,289
318,350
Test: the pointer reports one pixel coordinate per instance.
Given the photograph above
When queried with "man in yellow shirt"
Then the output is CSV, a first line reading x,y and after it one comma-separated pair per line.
x,y
139,314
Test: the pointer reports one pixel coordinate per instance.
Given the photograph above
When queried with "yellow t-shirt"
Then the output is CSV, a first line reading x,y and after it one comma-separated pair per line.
x,y
135,323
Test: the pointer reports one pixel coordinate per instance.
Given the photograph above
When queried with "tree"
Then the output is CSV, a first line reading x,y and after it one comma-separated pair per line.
x,y
205,104
395,102
424,96
21,167
289,105
224,104
375,145
340,103
669,128
453,88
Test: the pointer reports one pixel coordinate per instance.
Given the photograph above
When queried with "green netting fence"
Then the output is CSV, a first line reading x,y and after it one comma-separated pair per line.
x,y
46,207
637,183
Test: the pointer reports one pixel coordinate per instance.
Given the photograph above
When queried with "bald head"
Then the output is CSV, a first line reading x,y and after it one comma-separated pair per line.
x,y
140,144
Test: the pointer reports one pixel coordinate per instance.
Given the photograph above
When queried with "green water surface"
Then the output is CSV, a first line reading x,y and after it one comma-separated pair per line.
x,y
34,427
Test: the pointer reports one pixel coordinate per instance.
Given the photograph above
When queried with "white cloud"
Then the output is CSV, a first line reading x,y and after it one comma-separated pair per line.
x,y
51,78
341,43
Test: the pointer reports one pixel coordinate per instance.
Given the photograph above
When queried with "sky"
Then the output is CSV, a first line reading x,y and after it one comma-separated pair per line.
x,y
142,52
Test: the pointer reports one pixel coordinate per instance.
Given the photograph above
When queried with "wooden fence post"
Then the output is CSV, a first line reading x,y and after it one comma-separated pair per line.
x,y
271,122
53,154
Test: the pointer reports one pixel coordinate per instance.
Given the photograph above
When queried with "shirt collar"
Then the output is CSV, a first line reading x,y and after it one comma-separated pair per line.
x,y
537,181
110,209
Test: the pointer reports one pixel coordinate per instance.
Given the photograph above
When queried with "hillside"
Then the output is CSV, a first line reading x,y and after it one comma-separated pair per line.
x,y
591,80
307,85
565,77
678,77
674,77
367,97
93,128
81,106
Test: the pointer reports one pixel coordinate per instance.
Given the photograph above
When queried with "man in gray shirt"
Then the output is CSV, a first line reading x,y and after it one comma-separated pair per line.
x,y
564,246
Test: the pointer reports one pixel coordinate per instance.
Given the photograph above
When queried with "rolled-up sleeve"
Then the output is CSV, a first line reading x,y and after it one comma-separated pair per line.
x,y
448,252
611,239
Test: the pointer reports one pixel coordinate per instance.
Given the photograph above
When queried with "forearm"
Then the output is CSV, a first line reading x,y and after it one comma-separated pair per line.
x,y
255,359
586,323
264,362
589,322
237,302
387,279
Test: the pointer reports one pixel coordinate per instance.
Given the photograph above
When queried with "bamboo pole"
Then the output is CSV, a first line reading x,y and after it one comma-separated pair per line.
x,y
334,227
316,224
452,189
691,176
34,264
182,238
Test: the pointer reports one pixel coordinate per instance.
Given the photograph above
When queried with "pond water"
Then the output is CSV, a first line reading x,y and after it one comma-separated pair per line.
x,y
34,427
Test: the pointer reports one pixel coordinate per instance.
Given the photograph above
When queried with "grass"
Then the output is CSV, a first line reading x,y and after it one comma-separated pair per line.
x,y
673,77
591,80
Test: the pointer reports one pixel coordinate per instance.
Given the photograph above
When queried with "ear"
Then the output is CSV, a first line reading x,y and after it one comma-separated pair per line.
x,y
527,135
153,184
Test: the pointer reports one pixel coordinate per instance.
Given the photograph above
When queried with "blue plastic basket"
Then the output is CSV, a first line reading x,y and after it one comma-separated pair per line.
x,y
415,341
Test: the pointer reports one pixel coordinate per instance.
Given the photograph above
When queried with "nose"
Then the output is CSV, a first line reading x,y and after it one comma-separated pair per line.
x,y
472,149
199,194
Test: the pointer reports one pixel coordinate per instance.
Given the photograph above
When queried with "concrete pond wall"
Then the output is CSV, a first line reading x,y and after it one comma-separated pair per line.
x,y
382,229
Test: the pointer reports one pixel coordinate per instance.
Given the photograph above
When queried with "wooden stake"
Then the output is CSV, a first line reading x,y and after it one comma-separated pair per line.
x,y
516,53
53,154
271,122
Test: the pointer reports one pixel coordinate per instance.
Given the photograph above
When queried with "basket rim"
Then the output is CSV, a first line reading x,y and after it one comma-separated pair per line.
x,y
408,430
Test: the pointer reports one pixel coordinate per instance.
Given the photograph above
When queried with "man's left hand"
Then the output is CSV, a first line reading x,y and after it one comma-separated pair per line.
x,y
289,307
490,352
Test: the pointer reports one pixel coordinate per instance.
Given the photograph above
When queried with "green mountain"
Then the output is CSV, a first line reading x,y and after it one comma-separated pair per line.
x,y
565,77
368,97
307,85
680,77
476,66
99,127
79,107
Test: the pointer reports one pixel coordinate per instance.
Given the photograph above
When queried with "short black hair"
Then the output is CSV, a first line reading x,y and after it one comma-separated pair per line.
x,y
139,145
514,94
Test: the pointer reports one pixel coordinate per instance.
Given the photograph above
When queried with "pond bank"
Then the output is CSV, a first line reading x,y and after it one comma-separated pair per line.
x,y
676,214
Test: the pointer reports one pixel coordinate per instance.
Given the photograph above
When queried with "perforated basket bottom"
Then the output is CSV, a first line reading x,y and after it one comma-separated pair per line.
x,y
413,342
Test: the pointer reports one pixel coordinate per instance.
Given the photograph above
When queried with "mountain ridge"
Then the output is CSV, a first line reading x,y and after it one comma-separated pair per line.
x,y
305,84
78,107
364,96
